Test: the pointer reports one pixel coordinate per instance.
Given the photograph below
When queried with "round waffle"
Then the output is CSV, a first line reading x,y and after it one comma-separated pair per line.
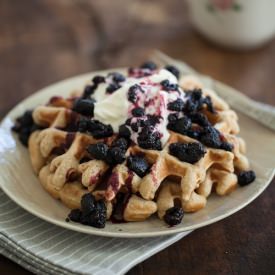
x,y
66,171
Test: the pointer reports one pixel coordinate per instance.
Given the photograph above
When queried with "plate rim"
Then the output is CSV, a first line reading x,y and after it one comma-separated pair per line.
x,y
119,234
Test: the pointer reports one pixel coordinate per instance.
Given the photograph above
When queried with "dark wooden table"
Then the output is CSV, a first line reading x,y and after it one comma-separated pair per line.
x,y
45,41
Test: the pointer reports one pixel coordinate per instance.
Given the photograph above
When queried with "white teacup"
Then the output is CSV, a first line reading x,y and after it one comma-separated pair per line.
x,y
234,23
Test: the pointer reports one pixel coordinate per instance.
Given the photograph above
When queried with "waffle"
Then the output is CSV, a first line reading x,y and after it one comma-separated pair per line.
x,y
58,152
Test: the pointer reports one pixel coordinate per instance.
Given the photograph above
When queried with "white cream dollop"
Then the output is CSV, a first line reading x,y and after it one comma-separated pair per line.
x,y
115,108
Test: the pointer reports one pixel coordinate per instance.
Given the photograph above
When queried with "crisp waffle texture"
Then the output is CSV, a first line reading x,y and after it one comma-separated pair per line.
x,y
169,182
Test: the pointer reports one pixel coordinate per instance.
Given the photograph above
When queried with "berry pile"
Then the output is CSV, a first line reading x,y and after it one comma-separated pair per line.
x,y
195,102
115,154
149,139
187,152
173,215
24,126
146,120
95,128
92,212
204,132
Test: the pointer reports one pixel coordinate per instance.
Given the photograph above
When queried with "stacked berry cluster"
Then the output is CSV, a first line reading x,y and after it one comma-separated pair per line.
x,y
25,126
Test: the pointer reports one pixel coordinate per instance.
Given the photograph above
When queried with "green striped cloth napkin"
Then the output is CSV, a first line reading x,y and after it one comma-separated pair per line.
x,y
44,248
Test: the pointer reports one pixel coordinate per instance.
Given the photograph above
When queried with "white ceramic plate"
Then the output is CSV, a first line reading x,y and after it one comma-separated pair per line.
x,y
20,183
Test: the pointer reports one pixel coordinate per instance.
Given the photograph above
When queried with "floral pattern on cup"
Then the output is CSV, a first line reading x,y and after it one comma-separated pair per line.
x,y
223,5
